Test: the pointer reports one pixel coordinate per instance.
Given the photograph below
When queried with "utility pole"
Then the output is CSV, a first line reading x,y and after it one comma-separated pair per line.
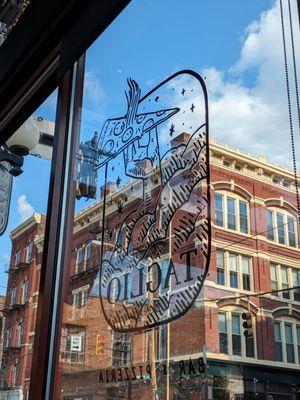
x,y
168,324
152,343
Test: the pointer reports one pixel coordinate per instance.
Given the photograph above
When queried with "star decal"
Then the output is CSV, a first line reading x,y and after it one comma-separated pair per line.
x,y
192,107
183,91
118,181
156,98
172,130
120,209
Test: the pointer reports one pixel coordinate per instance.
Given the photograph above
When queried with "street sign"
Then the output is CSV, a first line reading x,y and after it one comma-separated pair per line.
x,y
5,194
76,343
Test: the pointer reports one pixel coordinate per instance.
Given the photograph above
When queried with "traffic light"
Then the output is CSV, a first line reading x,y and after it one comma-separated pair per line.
x,y
248,324
100,345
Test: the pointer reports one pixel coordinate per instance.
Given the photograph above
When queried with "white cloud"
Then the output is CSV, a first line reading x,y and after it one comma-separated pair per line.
x,y
25,209
6,257
254,117
93,90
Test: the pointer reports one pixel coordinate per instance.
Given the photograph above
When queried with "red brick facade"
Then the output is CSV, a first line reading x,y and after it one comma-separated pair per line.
x,y
234,175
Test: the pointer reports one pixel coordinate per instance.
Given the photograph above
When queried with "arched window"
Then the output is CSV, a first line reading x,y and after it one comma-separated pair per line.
x,y
287,340
231,212
281,227
231,338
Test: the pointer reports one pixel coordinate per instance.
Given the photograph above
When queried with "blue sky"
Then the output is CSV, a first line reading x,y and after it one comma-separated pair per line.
x,y
233,44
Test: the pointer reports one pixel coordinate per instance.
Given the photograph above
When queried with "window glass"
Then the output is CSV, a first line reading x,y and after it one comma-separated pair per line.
x,y
278,342
233,270
167,282
270,225
289,344
280,228
274,283
22,244
296,283
236,335
219,217
87,253
220,268
246,273
231,224
291,231
243,217
285,282
223,337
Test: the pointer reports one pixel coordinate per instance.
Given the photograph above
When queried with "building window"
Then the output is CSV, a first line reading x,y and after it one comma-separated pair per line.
x,y
20,331
250,351
231,213
234,270
280,228
15,374
284,231
296,283
17,257
282,278
270,225
231,339
72,344
13,295
8,337
274,279
243,217
246,273
223,336
287,342
80,298
28,252
220,268
285,282
87,254
120,354
290,357
236,335
291,231
79,259
219,215
24,292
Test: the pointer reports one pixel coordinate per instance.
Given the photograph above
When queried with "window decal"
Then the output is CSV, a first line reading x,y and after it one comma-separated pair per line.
x,y
160,149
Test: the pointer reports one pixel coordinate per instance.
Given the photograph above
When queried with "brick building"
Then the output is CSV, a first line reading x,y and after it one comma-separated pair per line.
x,y
255,249
20,307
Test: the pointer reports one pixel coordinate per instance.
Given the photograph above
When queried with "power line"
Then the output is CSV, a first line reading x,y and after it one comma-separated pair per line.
x,y
259,294
287,82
